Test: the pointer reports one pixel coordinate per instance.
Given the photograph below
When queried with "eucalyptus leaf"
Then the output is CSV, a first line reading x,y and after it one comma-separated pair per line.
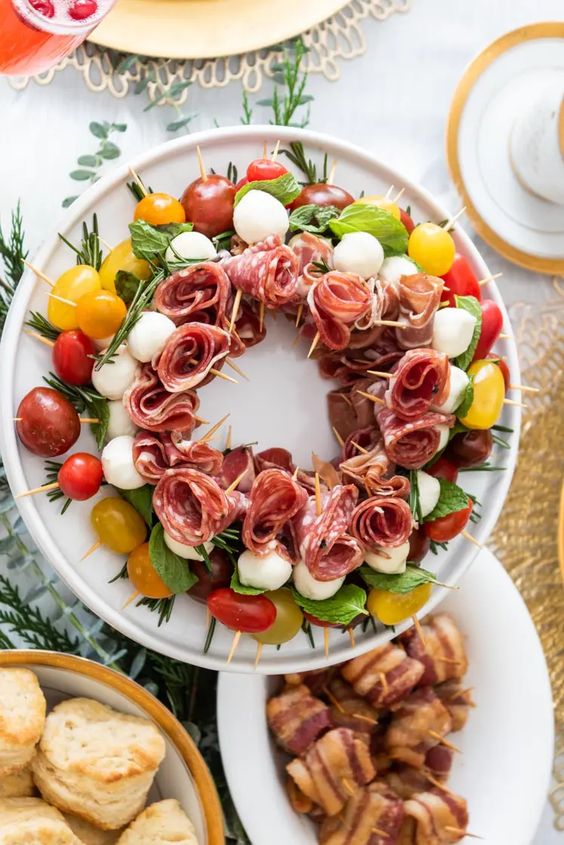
x,y
81,175
98,130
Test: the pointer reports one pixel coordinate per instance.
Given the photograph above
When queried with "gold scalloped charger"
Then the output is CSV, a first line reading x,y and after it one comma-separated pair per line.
x,y
204,29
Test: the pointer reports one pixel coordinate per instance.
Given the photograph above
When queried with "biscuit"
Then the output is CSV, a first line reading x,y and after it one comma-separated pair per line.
x,y
17,785
30,821
22,717
97,763
90,835
160,824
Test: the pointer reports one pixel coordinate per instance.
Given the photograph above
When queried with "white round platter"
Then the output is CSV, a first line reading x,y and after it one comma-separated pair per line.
x,y
507,743
282,405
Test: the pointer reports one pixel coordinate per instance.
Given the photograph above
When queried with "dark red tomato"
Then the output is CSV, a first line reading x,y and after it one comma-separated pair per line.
x,y
208,204
461,280
250,614
444,468
80,476
323,194
419,545
220,575
405,218
321,623
47,423
501,363
492,323
470,448
264,169
447,527
72,357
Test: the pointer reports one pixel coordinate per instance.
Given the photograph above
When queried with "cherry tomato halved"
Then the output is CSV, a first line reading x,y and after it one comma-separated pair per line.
x,y
208,204
220,575
47,423
143,574
80,476
288,621
118,525
73,357
444,468
492,323
392,608
447,527
250,614
159,209
419,545
264,169
461,280
470,448
100,313
322,194
405,218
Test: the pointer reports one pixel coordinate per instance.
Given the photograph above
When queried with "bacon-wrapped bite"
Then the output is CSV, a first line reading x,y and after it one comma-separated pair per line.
x,y
267,271
297,719
419,298
421,379
440,818
441,652
190,353
412,444
336,302
349,710
381,522
314,680
154,453
238,464
384,675
274,500
152,407
372,469
300,803
373,816
407,781
457,701
333,768
418,724
197,294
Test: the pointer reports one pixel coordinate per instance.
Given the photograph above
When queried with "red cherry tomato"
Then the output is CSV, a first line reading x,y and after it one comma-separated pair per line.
x,y
504,369
470,448
446,528
443,468
82,9
240,183
264,169
220,575
419,545
80,476
250,614
321,623
323,194
492,323
48,424
405,218
72,357
208,204
461,280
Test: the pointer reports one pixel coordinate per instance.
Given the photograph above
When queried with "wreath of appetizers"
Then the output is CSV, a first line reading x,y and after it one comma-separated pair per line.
x,y
391,314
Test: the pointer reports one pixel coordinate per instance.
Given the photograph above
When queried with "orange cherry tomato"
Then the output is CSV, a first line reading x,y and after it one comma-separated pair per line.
x,y
100,313
144,576
159,209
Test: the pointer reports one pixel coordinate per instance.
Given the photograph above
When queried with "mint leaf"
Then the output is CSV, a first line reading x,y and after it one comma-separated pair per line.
x,y
340,609
407,581
142,500
150,242
467,400
452,499
238,587
284,188
470,304
361,217
126,285
172,568
312,218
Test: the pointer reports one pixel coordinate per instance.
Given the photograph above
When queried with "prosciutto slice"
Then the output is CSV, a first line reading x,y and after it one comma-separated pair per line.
x,y
421,379
154,453
274,457
248,328
349,410
189,355
347,366
192,507
309,249
381,522
373,469
238,464
327,548
275,498
384,305
198,293
412,444
267,271
336,302
152,407
419,298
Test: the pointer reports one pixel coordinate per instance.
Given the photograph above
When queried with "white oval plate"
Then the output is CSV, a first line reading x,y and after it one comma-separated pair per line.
x,y
283,405
507,743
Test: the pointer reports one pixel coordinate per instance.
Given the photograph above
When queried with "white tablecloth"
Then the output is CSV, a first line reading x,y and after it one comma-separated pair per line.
x,y
394,101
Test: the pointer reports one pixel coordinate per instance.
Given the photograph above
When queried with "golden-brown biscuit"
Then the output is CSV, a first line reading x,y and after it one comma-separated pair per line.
x,y
161,823
30,821
17,785
22,717
90,835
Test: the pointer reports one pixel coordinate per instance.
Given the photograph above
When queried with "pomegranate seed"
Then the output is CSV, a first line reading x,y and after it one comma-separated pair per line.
x,y
44,7
82,9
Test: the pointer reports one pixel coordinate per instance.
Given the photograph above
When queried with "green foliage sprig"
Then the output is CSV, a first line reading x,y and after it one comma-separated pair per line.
x,y
91,163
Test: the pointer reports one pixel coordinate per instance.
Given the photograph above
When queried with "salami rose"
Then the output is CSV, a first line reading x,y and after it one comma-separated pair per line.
x,y
411,444
374,471
152,407
336,302
189,355
381,522
198,293
367,438
420,380
153,454
239,462
275,498
267,271
419,297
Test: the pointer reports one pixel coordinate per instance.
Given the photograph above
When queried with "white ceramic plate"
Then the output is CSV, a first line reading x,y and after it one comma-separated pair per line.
x,y
282,405
507,743
182,774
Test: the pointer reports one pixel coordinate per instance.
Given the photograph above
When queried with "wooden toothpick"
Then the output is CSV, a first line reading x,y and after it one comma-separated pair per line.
x,y
236,304
359,447
314,343
224,376
504,336
201,165
261,316
236,368
258,654
39,273
350,632
395,323
450,223
419,629
491,278
137,179
40,338
388,193
43,489
228,438
62,299
93,548
209,434
131,598
398,196
379,373
444,741
331,176
234,645
318,506
234,484
524,388
276,149
340,440
513,402
458,831
369,396
471,539
299,313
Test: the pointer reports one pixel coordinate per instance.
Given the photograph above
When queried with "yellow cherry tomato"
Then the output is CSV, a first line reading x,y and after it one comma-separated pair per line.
x,y
288,620
100,313
144,576
72,285
391,608
432,248
489,393
158,209
381,202
122,258
118,525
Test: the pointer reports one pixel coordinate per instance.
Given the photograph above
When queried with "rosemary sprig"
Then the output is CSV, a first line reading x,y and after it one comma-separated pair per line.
x,y
30,624
247,117
500,441
485,467
90,251
308,631
12,253
121,574
90,164
161,606
232,172
414,502
209,635
84,399
42,326
51,475
506,428
297,156
289,94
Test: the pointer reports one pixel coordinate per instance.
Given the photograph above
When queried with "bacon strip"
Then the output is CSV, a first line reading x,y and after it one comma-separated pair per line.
x,y
154,453
442,653
421,379
437,814
275,498
419,298
336,302
349,710
297,719
267,271
189,355
152,407
412,444
416,726
384,675
370,809
457,701
381,522
198,294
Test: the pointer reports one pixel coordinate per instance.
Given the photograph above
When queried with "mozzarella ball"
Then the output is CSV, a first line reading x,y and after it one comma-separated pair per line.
x,y
444,433
458,382
359,252
395,267
119,422
266,572
148,336
102,343
113,378
259,215
182,550
391,561
118,466
190,246
429,492
310,588
452,331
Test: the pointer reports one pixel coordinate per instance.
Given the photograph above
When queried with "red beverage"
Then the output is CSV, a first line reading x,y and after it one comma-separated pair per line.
x,y
36,34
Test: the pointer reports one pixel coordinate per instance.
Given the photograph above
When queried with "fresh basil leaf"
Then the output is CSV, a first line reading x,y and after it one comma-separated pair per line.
x,y
238,587
467,400
126,285
452,499
150,242
470,304
284,188
142,500
173,569
407,581
312,218
362,217
340,609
